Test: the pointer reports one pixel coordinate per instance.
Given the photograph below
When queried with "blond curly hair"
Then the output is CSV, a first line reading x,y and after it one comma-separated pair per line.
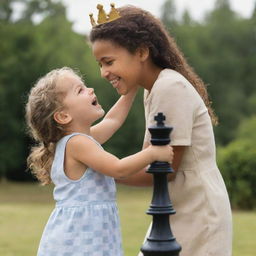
x,y
43,101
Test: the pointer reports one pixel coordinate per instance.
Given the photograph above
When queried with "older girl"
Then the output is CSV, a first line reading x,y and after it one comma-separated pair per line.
x,y
136,50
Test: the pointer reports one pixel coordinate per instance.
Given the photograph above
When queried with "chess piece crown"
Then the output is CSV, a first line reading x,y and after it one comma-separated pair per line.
x,y
103,17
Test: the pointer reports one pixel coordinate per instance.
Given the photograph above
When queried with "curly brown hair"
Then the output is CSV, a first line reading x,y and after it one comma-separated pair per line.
x,y
43,101
137,28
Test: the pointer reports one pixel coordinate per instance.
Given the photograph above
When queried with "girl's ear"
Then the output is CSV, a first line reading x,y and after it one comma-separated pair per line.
x,y
62,117
143,52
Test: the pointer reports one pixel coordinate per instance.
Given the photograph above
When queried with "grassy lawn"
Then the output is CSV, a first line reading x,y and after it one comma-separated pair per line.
x,y
25,208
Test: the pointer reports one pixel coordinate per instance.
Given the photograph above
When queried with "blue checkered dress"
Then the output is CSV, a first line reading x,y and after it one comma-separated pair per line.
x,y
85,220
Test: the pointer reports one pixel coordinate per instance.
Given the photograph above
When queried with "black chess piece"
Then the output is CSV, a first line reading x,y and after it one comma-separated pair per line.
x,y
160,241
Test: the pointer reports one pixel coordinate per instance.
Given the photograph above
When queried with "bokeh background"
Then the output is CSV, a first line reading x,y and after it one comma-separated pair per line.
x,y
218,38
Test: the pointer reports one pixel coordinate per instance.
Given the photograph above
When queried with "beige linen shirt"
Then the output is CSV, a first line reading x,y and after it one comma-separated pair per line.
x,y
203,221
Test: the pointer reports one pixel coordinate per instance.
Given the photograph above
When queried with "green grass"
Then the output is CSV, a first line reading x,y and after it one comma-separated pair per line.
x,y
25,208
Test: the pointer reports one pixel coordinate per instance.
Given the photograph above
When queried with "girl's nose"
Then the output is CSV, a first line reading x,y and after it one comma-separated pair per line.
x,y
91,90
104,73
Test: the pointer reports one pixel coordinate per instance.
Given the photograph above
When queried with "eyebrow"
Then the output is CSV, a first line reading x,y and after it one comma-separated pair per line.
x,y
104,58
75,86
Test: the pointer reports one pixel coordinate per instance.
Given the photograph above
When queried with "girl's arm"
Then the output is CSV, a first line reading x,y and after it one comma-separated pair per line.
x,y
114,118
86,151
143,179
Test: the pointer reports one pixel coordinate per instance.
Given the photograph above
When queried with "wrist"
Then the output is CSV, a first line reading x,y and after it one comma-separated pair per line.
x,y
152,156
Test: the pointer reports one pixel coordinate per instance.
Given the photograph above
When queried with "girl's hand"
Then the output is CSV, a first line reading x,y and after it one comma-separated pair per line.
x,y
115,117
161,153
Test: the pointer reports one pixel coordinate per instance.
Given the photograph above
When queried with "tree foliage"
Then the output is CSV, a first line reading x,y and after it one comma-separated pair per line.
x,y
168,13
238,163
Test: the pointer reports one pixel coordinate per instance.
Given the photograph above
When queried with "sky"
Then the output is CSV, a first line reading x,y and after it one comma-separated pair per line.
x,y
78,10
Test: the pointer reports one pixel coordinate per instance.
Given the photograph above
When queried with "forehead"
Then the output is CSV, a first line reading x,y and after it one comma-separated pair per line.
x,y
68,81
107,49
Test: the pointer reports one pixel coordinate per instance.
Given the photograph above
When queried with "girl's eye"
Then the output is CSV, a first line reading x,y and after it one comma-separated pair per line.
x,y
109,62
80,90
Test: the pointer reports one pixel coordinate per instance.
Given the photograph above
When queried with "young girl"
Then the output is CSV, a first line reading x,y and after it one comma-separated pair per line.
x,y
60,112
135,49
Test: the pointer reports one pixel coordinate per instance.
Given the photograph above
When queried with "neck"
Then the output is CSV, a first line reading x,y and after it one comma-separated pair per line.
x,y
80,129
150,75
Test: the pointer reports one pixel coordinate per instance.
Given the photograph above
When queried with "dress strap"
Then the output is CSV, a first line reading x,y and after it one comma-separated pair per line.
x,y
67,137
58,162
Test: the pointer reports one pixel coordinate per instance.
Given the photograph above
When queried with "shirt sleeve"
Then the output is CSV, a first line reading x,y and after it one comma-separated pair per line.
x,y
177,101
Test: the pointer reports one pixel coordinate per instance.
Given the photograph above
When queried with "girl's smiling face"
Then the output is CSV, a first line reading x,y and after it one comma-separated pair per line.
x,y
120,67
79,102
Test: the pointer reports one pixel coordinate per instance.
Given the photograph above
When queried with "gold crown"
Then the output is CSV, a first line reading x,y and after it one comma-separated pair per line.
x,y
103,17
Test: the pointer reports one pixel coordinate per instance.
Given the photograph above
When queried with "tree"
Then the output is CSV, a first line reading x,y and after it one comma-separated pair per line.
x,y
237,162
6,10
222,4
222,13
44,8
186,18
254,13
168,13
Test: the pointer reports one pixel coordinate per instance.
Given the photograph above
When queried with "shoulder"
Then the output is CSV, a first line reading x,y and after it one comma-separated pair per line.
x,y
80,141
172,86
171,80
82,147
